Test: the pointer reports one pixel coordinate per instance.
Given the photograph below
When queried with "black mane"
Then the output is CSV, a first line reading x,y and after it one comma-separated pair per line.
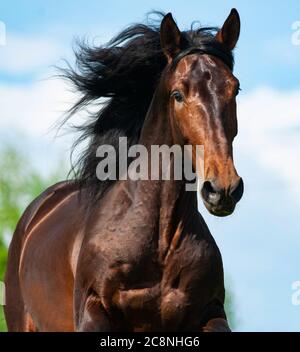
x,y
126,71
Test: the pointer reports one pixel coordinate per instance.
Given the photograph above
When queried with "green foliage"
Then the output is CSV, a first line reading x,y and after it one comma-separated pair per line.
x,y
19,185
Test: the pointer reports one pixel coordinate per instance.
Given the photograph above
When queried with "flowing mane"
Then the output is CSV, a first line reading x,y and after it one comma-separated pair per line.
x,y
126,71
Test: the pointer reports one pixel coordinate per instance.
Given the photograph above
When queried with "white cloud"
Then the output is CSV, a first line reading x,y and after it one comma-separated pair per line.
x,y
27,115
29,54
269,132
29,120
33,108
35,54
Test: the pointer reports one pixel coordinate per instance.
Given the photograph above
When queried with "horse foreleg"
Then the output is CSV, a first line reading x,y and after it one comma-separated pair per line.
x,y
94,318
216,325
215,319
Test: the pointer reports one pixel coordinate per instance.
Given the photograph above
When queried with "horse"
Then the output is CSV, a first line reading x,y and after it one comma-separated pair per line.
x,y
135,255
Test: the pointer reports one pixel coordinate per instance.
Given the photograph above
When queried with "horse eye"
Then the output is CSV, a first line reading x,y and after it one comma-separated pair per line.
x,y
238,90
177,96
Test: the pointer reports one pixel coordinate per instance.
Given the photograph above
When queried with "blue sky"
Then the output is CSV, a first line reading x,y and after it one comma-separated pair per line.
x,y
265,55
260,242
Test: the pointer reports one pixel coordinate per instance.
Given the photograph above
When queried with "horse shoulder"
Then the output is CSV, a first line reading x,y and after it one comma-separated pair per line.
x,y
40,206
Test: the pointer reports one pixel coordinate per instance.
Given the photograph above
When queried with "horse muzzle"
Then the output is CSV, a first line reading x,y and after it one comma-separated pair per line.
x,y
220,201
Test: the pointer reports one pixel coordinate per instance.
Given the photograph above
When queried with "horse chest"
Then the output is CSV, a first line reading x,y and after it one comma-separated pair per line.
x,y
150,293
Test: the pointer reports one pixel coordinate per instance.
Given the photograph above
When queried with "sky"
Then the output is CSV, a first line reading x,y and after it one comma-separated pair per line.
x,y
260,242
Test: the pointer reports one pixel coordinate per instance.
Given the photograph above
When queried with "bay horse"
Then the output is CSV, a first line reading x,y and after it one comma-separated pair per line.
x,y
130,255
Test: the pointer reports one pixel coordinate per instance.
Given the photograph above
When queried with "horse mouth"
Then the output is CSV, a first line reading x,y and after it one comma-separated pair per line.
x,y
221,202
219,210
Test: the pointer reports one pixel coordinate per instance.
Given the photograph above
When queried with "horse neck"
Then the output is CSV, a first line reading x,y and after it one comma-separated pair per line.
x,y
170,203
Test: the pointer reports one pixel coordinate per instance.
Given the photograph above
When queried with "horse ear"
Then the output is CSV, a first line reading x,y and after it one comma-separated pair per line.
x,y
170,37
230,31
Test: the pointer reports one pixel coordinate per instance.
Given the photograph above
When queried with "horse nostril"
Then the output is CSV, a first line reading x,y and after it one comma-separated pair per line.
x,y
210,193
237,191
